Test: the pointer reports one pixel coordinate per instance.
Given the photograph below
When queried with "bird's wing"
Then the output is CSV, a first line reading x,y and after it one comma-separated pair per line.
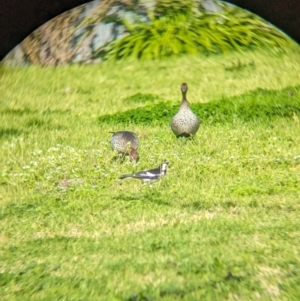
x,y
153,171
141,175
145,175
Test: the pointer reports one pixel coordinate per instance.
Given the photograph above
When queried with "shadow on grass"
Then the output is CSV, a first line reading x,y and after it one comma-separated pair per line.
x,y
28,118
197,205
202,286
9,132
148,197
259,104
18,112
38,206
37,278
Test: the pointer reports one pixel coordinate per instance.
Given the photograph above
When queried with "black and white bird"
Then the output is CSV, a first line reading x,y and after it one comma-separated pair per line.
x,y
149,176
185,123
125,143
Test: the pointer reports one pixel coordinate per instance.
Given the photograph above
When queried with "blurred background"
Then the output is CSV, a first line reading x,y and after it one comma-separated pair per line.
x,y
112,30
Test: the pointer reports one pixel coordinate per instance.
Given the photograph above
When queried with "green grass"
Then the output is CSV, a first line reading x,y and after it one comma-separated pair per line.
x,y
222,225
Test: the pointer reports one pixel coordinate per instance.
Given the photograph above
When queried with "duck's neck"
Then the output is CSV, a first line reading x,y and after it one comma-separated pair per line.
x,y
184,102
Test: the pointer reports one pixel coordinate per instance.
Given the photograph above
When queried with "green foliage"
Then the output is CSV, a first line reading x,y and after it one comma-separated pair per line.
x,y
259,104
172,8
183,29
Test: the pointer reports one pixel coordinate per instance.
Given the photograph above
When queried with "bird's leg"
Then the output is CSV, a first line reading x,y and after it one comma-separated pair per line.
x,y
159,182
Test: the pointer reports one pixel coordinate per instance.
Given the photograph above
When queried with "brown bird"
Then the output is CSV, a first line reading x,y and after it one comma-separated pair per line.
x,y
125,143
185,123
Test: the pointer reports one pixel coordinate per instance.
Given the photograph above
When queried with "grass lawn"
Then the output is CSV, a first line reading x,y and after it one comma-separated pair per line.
x,y
222,224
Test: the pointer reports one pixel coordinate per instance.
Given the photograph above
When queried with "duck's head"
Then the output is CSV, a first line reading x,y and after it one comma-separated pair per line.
x,y
134,155
184,87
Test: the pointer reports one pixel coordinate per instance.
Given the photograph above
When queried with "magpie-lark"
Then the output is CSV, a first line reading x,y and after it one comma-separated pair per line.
x,y
149,176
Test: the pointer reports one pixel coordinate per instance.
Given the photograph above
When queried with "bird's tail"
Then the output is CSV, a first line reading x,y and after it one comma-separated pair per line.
x,y
125,176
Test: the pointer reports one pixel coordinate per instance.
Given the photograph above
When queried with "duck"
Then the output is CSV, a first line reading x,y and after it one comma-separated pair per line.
x,y
185,123
125,143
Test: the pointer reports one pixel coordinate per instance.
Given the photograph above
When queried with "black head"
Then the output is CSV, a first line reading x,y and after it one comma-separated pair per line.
x,y
163,167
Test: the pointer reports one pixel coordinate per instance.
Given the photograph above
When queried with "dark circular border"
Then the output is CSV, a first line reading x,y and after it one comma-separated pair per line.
x,y
18,18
